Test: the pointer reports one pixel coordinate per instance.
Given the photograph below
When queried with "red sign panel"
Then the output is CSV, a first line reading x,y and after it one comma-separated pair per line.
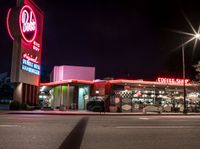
x,y
25,26
27,23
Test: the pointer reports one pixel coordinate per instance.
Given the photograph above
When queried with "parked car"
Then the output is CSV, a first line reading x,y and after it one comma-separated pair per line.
x,y
152,108
95,106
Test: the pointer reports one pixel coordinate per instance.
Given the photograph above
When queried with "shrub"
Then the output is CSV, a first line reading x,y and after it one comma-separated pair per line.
x,y
14,105
23,106
37,107
29,107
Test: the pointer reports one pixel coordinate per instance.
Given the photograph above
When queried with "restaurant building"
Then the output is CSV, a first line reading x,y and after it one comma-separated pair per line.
x,y
134,95
72,87
69,87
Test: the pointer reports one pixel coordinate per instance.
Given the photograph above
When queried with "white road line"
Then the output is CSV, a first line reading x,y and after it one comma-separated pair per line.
x,y
9,125
153,127
144,118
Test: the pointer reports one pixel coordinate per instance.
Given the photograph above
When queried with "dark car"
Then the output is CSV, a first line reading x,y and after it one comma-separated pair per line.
x,y
95,106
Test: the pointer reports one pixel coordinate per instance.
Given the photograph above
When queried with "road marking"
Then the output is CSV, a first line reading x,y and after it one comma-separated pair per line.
x,y
144,118
153,127
9,126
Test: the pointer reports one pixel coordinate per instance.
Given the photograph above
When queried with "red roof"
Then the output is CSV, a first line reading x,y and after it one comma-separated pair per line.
x,y
66,82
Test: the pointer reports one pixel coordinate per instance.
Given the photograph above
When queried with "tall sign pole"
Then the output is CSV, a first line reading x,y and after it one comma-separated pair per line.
x,y
25,27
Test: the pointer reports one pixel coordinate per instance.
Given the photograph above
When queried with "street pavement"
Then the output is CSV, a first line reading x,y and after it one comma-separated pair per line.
x,y
28,131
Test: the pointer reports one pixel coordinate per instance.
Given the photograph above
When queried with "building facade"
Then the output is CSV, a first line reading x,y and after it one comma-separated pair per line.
x,y
121,95
134,95
70,88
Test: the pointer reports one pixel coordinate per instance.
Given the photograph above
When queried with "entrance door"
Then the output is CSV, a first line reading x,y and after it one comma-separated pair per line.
x,y
82,94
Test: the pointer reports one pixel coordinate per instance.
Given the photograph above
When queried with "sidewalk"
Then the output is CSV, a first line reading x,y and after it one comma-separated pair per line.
x,y
57,112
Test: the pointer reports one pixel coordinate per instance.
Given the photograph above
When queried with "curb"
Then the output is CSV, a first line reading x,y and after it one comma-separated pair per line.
x,y
98,114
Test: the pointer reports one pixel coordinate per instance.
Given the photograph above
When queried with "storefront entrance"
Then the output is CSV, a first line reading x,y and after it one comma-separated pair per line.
x,y
65,96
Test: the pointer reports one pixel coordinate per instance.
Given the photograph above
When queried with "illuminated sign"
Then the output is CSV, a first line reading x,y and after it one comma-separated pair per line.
x,y
27,23
36,46
7,23
172,81
22,23
30,57
25,27
30,67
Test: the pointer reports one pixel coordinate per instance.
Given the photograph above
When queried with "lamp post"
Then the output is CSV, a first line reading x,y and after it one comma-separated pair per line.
x,y
196,36
184,89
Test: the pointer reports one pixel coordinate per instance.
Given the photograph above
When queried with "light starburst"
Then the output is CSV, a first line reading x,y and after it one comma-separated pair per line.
x,y
195,35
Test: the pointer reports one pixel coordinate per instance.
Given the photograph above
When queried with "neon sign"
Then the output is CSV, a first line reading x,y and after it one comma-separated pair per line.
x,y
36,46
172,81
30,57
25,26
7,24
27,23
30,67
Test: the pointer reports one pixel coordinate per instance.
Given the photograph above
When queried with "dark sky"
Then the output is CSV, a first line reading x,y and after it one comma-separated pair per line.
x,y
122,39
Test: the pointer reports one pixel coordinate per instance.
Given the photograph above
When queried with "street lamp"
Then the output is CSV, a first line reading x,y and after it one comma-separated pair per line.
x,y
196,36
184,89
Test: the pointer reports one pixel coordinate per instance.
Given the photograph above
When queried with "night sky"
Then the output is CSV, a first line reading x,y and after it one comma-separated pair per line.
x,y
122,39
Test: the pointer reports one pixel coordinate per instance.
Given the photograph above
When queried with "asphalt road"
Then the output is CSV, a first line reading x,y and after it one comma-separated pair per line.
x,y
99,132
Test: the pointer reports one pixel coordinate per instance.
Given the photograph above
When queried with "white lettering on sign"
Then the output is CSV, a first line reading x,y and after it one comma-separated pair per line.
x,y
36,46
30,67
28,22
31,58
172,81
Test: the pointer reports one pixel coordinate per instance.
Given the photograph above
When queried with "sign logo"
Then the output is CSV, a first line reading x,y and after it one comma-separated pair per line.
x,y
28,23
